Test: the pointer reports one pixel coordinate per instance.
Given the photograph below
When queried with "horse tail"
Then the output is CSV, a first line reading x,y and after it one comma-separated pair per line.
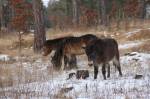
x,y
116,50
56,59
116,61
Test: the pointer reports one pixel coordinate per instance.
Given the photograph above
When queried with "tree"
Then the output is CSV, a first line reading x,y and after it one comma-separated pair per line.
x,y
142,4
2,24
69,8
75,20
39,34
103,12
20,18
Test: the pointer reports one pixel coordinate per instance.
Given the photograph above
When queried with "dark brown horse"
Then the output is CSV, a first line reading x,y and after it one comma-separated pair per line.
x,y
101,52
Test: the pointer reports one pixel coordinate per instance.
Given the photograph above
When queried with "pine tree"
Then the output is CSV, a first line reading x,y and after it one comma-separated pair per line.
x,y
39,35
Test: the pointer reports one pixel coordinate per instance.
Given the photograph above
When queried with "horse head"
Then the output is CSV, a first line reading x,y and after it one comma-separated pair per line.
x,y
46,50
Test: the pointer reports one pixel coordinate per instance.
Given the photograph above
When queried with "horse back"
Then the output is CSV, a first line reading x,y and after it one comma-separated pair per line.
x,y
73,45
55,43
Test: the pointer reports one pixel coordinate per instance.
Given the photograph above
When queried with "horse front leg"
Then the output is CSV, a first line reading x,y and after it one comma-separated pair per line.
x,y
104,71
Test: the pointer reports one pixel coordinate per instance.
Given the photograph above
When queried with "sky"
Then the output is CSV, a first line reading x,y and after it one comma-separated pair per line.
x,y
45,2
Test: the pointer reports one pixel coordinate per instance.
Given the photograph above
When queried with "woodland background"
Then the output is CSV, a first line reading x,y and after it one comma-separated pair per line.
x,y
28,15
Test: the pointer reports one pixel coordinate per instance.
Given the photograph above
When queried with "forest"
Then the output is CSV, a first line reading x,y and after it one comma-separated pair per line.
x,y
63,49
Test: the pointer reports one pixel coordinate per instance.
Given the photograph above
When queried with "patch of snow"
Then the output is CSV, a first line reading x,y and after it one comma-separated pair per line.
x,y
130,45
133,32
4,58
141,59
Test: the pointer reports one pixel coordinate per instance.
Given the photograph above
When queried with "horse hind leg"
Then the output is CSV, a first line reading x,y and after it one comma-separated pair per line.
x,y
116,63
95,71
73,62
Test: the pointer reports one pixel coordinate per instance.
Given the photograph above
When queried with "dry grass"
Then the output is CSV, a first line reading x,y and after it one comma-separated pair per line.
x,y
142,34
6,76
145,47
10,44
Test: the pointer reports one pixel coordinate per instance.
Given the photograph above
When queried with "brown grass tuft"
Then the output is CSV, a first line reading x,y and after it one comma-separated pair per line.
x,y
145,47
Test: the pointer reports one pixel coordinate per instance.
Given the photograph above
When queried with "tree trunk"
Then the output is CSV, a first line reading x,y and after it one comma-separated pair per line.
x,y
104,19
68,7
39,33
1,15
75,4
142,7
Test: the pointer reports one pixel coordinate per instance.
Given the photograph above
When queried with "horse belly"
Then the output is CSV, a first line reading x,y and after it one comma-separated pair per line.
x,y
77,51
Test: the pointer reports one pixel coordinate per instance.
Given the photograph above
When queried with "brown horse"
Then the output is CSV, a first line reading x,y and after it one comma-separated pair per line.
x,y
67,48
101,52
56,44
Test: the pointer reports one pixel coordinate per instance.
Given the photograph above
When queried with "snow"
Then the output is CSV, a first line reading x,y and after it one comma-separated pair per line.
x,y
4,57
114,87
133,32
130,45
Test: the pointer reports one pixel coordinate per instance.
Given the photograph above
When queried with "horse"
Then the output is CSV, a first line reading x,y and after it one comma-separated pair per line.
x,y
101,52
73,45
55,44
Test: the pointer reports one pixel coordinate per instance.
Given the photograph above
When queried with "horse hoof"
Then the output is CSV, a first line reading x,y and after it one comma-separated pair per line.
x,y
120,75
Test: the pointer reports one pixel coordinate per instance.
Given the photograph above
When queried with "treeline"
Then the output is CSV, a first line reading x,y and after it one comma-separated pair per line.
x,y
71,13
24,15
87,13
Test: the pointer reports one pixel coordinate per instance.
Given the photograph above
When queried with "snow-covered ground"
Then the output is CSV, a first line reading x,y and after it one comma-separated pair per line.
x,y
57,87
130,45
